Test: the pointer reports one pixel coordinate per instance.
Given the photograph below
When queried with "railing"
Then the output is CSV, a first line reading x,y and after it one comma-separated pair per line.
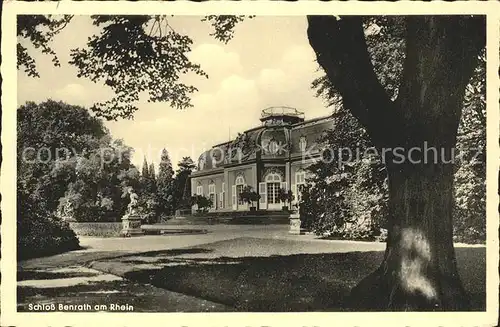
x,y
281,111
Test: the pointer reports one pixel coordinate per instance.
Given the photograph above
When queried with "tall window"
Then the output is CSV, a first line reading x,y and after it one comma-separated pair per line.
x,y
211,193
199,189
240,183
221,196
303,144
300,177
273,181
300,181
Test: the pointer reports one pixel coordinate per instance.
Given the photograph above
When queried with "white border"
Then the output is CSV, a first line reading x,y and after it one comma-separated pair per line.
x,y
492,161
8,177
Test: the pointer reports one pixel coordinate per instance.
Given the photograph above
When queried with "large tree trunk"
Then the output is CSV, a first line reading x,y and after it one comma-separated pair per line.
x,y
419,270
416,135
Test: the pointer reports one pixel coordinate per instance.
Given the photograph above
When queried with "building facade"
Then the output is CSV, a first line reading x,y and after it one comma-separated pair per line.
x,y
267,158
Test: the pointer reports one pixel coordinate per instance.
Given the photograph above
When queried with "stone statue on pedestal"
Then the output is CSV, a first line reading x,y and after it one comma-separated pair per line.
x,y
131,221
132,206
66,212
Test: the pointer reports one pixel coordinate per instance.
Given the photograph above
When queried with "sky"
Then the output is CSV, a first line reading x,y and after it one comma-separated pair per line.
x,y
269,62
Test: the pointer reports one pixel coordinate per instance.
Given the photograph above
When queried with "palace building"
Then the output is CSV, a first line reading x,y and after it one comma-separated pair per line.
x,y
267,158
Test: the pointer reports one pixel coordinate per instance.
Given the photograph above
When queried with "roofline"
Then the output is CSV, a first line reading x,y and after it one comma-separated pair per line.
x,y
327,117
214,171
246,131
312,120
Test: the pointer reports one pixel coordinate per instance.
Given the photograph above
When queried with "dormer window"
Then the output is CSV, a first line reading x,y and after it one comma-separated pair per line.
x,y
303,144
273,147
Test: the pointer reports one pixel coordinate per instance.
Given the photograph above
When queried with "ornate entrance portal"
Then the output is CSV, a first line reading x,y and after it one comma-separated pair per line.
x,y
269,192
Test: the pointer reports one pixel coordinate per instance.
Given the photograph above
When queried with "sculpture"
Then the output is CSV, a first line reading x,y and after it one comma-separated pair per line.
x,y
132,206
131,221
68,209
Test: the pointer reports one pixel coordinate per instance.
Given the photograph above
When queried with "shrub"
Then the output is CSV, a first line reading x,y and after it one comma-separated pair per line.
x,y
249,195
40,233
346,200
285,196
97,229
202,203
148,209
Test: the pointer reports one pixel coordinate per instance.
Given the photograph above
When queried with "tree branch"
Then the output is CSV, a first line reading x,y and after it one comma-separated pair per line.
x,y
342,53
63,23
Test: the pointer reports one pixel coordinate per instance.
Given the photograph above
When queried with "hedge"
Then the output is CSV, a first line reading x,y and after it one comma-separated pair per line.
x,y
96,229
44,236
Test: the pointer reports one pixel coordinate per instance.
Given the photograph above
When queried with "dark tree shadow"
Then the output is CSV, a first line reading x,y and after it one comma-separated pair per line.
x,y
47,275
302,282
141,297
174,252
69,259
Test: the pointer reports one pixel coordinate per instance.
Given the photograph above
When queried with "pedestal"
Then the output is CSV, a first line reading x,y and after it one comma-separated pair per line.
x,y
131,225
295,223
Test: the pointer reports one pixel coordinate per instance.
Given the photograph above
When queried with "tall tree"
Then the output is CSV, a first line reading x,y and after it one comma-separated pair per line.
x,y
145,49
46,132
181,185
67,165
164,184
145,168
152,172
94,190
385,40
147,180
165,170
419,270
151,180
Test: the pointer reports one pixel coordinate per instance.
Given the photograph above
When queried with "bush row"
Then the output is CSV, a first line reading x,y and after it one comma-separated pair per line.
x,y
96,229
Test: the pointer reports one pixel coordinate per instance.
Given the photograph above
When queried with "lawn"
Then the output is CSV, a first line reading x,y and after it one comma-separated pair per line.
x,y
238,274
76,285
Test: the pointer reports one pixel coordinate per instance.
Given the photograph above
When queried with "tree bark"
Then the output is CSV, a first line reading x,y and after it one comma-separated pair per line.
x,y
419,270
416,135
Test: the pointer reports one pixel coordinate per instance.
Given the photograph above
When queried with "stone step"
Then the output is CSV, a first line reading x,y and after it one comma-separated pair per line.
x,y
282,218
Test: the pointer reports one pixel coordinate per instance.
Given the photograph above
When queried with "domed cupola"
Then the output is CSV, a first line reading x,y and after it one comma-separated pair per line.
x,y
274,139
279,116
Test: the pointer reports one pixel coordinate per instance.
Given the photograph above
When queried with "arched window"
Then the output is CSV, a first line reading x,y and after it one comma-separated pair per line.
x,y
211,187
199,189
240,180
273,185
240,184
273,177
303,144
